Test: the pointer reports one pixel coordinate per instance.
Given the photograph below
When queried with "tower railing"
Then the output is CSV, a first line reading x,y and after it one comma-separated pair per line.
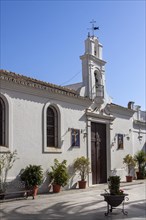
x,y
100,91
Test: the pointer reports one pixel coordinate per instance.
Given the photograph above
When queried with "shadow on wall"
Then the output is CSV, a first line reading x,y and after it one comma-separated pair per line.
x,y
144,147
15,184
18,185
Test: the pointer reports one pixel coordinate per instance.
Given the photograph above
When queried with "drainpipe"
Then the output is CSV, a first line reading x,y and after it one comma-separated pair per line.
x,y
88,126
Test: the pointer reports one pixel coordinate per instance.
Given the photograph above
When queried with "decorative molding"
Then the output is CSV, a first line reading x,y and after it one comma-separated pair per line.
x,y
99,116
8,122
138,122
47,149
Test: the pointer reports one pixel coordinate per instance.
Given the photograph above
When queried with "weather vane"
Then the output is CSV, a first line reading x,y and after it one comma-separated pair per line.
x,y
93,28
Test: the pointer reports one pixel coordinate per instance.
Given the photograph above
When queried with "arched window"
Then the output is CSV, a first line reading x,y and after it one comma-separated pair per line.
x,y
2,122
96,79
52,127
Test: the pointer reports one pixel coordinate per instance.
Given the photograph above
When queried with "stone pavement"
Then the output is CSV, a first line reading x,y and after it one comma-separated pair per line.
x,y
77,204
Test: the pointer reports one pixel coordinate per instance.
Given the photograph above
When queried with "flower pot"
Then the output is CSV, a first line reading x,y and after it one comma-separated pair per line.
x,y
35,191
129,178
114,200
2,196
56,188
82,184
139,175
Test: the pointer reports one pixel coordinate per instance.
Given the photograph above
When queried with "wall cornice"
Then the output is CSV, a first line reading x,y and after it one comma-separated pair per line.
x,y
95,59
7,86
37,84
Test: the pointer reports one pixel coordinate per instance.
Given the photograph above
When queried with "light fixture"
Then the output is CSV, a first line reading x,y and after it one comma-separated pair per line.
x,y
127,135
85,135
140,137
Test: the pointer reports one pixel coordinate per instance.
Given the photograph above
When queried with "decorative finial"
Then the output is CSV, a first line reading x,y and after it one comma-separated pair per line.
x,y
93,27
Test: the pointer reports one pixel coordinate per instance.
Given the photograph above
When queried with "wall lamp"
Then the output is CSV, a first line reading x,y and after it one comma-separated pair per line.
x,y
139,135
127,135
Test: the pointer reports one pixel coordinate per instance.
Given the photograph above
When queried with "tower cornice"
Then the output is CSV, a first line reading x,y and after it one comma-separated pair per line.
x,y
93,58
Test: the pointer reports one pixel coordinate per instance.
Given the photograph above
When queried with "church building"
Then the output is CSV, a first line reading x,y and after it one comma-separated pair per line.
x,y
43,121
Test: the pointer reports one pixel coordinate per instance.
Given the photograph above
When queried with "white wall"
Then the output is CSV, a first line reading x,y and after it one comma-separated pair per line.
x,y
120,126
27,125
27,119
124,124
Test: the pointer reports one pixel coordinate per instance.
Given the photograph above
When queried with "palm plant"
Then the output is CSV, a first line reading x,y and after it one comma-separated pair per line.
x,y
140,158
59,174
130,162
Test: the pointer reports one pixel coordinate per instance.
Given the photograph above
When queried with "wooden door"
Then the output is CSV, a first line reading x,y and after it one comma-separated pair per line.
x,y
98,153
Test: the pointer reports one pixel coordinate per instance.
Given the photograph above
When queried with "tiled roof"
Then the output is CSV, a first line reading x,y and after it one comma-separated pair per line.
x,y
34,83
120,109
119,106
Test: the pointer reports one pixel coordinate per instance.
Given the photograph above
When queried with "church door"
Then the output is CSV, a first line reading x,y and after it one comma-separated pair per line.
x,y
98,153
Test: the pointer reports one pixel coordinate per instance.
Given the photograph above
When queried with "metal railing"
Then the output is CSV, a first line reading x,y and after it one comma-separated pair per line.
x,y
100,91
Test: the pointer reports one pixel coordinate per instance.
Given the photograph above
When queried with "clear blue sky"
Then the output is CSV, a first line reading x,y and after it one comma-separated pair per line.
x,y
44,39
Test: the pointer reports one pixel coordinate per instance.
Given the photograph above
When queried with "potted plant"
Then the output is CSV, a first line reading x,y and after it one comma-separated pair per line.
x,y
59,175
82,165
115,196
130,163
114,185
6,163
140,158
32,176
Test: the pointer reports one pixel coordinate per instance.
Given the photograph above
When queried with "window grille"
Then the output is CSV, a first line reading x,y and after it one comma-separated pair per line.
x,y
2,122
52,127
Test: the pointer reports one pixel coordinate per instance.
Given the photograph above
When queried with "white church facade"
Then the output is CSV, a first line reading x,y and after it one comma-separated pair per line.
x,y
43,121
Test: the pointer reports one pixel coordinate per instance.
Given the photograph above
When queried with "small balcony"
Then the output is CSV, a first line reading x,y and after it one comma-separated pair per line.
x,y
99,94
100,91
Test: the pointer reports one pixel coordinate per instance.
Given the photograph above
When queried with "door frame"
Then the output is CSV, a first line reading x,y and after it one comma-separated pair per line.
x,y
98,153
108,140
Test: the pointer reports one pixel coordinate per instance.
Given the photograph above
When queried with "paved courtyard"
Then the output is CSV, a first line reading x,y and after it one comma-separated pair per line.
x,y
77,204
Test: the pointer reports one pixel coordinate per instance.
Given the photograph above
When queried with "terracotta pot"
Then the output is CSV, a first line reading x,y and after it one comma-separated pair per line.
x,y
139,175
129,178
35,191
2,196
82,184
56,188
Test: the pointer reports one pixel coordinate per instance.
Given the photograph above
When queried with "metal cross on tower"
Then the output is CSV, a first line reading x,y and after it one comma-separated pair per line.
x,y
93,27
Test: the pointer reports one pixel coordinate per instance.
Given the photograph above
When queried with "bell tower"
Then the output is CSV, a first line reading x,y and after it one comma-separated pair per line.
x,y
93,70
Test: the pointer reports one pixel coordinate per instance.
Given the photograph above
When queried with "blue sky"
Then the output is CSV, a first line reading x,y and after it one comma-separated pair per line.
x,y
44,39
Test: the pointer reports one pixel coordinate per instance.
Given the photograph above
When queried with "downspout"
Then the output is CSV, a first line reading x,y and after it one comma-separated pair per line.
x,y
87,142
